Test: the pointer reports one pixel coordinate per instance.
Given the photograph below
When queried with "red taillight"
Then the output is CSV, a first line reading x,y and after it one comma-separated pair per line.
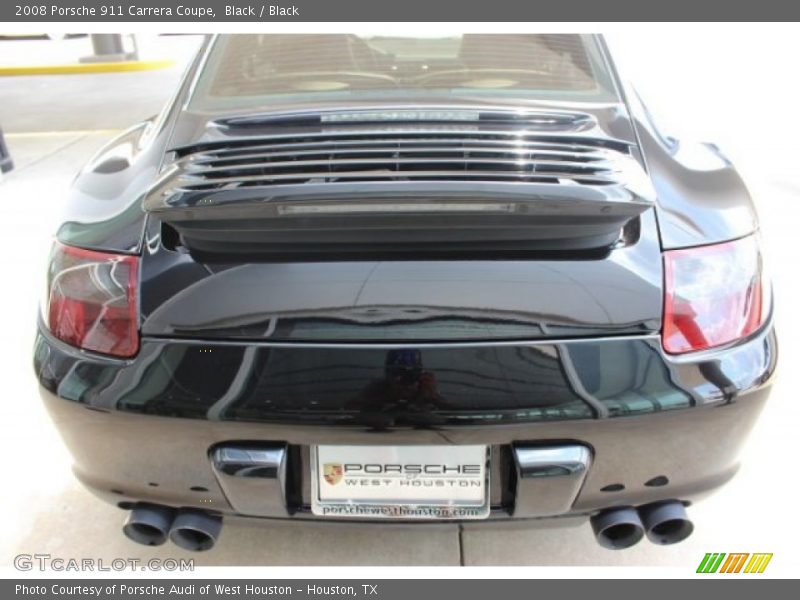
x,y
91,300
713,295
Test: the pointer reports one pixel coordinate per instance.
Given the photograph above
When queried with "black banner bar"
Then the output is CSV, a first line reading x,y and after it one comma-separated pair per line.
x,y
387,589
265,11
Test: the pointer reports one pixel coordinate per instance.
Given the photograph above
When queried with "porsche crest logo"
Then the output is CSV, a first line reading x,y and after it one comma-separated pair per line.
x,y
332,472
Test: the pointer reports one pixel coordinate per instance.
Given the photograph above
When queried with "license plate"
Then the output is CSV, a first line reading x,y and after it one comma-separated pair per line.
x,y
400,482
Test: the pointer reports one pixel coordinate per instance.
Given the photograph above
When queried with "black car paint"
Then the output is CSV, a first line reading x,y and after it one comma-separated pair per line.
x,y
683,426
350,385
403,300
629,395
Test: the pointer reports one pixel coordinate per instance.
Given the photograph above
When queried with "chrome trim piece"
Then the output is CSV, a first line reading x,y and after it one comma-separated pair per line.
x,y
549,478
654,337
253,479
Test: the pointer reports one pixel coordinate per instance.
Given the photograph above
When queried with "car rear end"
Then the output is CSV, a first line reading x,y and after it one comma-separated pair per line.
x,y
440,299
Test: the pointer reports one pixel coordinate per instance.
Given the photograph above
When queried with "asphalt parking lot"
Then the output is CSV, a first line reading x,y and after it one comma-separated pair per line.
x,y
53,124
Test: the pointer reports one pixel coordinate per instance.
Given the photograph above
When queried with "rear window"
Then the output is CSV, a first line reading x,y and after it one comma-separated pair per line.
x,y
259,70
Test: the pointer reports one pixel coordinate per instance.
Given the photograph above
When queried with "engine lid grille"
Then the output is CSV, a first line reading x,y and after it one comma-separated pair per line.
x,y
265,151
398,156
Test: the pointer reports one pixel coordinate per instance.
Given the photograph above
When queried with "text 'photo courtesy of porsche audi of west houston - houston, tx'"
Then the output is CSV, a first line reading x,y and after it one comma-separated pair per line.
x,y
405,279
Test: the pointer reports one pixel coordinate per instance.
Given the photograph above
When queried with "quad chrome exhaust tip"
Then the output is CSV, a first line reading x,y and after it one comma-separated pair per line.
x,y
153,524
195,530
149,524
618,528
666,522
662,522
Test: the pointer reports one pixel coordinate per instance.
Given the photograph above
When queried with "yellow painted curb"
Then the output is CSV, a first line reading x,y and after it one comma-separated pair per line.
x,y
76,69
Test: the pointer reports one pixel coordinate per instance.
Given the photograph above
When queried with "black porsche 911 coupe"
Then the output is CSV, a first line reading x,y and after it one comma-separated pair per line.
x,y
414,279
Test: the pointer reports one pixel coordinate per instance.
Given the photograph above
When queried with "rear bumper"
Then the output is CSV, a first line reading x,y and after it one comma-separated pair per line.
x,y
127,452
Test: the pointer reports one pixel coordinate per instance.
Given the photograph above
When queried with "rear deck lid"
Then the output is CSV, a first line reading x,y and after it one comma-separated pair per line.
x,y
392,300
388,190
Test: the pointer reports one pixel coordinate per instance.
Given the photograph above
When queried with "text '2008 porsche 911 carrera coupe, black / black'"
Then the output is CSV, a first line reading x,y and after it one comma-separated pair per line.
x,y
406,279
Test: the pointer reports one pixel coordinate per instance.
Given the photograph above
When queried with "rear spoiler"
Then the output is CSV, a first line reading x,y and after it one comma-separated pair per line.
x,y
324,217
389,190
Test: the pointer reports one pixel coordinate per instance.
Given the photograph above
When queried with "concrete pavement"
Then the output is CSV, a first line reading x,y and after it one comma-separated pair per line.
x,y
66,103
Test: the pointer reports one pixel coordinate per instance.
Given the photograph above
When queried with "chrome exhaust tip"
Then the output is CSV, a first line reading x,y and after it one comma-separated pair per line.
x,y
195,530
617,528
666,522
148,524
